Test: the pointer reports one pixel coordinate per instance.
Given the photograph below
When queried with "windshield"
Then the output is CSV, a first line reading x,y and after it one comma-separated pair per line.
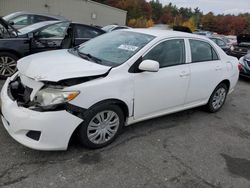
x,y
116,47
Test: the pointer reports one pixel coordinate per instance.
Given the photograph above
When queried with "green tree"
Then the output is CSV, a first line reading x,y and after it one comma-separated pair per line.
x,y
156,10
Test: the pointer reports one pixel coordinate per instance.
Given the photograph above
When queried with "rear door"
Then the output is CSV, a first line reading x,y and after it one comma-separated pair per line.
x,y
49,37
83,33
207,71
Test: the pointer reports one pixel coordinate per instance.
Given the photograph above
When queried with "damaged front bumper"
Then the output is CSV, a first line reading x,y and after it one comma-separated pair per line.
x,y
50,130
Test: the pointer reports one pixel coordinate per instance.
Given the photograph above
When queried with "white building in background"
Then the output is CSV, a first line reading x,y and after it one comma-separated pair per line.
x,y
82,11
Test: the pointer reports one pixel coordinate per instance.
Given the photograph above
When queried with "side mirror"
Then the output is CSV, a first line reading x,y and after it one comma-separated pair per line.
x,y
11,23
149,66
30,35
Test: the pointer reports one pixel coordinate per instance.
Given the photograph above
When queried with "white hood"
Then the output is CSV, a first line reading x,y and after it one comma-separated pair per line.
x,y
58,65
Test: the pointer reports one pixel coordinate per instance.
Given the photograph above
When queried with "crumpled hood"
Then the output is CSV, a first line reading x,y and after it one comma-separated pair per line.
x,y
58,65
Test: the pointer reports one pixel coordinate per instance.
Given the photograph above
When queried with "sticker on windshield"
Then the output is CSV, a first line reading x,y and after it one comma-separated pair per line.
x,y
128,47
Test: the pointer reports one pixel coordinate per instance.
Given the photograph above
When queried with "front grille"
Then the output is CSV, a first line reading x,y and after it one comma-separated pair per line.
x,y
19,92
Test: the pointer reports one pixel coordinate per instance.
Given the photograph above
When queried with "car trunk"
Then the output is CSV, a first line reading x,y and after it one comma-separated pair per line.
x,y
243,40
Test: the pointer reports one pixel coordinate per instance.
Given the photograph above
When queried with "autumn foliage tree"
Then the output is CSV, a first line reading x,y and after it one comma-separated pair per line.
x,y
142,13
139,11
190,23
225,24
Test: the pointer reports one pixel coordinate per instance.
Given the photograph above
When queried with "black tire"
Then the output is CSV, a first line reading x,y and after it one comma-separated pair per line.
x,y
88,117
210,107
6,73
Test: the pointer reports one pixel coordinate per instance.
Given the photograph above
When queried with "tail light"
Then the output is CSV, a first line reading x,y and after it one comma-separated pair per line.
x,y
239,66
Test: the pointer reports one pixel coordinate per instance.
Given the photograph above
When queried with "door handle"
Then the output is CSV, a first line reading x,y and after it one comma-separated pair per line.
x,y
184,74
217,68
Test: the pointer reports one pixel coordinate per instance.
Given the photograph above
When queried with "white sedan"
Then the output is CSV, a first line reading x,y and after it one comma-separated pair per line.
x,y
114,80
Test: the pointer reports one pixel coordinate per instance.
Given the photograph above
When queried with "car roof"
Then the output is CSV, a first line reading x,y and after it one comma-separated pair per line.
x,y
166,33
91,26
14,14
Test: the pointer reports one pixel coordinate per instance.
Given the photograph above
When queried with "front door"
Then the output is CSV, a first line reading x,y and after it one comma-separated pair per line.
x,y
164,91
49,38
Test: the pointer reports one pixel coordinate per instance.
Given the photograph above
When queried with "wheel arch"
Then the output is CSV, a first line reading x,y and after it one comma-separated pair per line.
x,y
118,102
226,82
124,107
4,50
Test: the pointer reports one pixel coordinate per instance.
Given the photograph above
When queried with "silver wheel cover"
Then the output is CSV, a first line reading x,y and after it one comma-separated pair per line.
x,y
219,98
103,127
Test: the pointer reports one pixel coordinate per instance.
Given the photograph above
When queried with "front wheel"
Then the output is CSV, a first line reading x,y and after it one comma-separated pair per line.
x,y
8,63
101,126
218,98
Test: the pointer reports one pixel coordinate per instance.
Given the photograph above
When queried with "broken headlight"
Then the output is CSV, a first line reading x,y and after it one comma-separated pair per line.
x,y
50,97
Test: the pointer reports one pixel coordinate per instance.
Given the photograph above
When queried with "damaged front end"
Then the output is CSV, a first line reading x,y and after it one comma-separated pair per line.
x,y
45,96
23,89
31,124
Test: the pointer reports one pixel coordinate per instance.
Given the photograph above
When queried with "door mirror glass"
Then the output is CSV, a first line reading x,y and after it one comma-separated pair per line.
x,y
149,66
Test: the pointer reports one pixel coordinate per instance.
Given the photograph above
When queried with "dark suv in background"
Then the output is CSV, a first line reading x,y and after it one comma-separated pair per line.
x,y
245,66
243,46
39,37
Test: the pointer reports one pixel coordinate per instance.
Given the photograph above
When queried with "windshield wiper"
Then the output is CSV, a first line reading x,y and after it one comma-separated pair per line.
x,y
89,57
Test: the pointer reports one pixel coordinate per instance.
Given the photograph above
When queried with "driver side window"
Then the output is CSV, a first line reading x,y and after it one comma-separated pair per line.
x,y
53,31
168,53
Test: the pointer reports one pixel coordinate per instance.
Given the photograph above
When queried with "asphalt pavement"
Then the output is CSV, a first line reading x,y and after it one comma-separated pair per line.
x,y
190,149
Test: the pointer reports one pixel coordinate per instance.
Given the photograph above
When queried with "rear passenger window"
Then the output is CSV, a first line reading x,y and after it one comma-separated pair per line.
x,y
86,32
168,53
202,51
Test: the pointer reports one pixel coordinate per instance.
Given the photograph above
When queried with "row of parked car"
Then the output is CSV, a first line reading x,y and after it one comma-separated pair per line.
x,y
117,79
237,46
25,33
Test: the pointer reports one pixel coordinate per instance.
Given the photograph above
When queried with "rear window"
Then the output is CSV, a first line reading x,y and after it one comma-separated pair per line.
x,y
87,32
202,51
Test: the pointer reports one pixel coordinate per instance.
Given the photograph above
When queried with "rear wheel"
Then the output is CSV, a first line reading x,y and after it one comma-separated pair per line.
x,y
8,64
217,98
101,126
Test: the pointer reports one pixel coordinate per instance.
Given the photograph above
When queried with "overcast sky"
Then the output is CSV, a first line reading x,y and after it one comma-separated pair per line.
x,y
216,6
